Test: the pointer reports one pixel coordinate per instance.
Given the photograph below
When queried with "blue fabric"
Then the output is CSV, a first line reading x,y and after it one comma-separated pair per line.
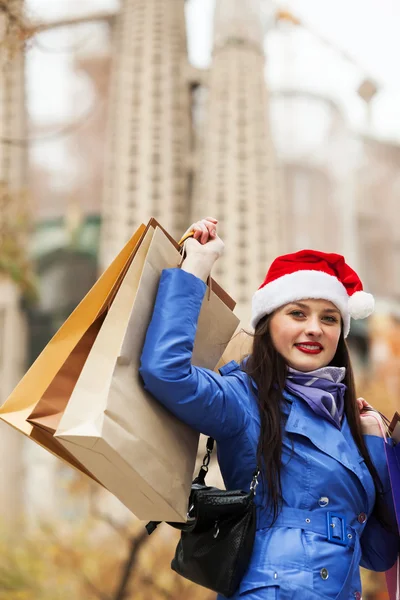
x,y
322,469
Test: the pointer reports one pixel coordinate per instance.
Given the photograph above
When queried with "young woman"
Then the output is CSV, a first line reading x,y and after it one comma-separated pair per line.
x,y
325,506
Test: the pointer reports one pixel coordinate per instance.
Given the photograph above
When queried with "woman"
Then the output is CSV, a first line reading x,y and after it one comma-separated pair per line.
x,y
324,507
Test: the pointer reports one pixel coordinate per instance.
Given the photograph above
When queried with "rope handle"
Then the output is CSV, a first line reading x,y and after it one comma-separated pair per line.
x,y
375,416
374,413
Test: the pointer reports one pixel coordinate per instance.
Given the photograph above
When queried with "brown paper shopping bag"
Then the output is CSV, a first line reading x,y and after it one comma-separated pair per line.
x,y
48,411
54,373
135,447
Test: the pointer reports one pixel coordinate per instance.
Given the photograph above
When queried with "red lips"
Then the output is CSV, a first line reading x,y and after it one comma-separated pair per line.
x,y
309,347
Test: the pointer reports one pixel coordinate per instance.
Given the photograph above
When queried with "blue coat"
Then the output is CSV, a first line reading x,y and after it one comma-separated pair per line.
x,y
325,480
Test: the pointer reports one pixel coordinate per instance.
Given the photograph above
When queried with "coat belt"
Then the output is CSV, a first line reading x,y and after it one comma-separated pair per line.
x,y
320,522
331,525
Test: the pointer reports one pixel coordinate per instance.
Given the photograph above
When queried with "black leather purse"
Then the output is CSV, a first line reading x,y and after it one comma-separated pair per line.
x,y
217,540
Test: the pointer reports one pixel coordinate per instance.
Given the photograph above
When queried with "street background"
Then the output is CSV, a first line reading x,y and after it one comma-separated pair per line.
x,y
281,119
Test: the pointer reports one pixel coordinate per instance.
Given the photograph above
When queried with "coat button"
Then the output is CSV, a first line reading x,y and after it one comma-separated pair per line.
x,y
357,595
324,573
323,501
362,517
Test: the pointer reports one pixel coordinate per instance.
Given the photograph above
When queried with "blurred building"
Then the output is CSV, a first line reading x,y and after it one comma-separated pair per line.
x,y
149,126
378,215
13,162
237,178
379,252
181,144
64,246
320,158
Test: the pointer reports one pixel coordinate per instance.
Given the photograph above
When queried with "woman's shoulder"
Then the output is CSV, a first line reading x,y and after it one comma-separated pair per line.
x,y
237,371
240,383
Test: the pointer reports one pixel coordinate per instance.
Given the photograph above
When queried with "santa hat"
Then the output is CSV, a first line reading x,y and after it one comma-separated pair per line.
x,y
312,274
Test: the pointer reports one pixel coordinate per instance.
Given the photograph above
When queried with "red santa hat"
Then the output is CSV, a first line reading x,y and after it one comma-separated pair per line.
x,y
312,274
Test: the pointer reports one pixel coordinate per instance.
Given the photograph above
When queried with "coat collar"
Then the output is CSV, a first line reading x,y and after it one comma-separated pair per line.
x,y
339,444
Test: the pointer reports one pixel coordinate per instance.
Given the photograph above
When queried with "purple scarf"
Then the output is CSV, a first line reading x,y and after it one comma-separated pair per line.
x,y
321,389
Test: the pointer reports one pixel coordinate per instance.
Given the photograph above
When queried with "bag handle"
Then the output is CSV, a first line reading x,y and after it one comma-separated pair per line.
x,y
385,434
201,477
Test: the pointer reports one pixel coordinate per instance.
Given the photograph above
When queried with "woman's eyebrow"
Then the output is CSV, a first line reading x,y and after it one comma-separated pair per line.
x,y
299,304
305,306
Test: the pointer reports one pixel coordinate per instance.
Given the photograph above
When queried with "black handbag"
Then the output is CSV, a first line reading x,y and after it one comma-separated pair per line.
x,y
217,540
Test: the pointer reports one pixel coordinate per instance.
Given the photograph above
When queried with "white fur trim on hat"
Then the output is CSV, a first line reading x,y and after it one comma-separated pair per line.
x,y
361,305
301,285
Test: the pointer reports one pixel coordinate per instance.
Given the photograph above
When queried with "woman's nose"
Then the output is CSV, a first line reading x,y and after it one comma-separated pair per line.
x,y
313,327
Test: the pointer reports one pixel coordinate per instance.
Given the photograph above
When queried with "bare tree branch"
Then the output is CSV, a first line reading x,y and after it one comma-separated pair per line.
x,y
98,514
149,581
130,564
90,18
62,131
75,560
12,17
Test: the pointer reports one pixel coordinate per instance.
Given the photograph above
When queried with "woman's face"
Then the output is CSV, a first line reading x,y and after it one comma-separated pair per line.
x,y
306,333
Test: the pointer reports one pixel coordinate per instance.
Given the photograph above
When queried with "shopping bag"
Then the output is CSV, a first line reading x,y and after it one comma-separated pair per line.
x,y
55,371
49,409
393,462
134,446
237,349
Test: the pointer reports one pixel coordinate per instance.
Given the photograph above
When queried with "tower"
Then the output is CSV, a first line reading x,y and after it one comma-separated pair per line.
x,y
238,180
149,125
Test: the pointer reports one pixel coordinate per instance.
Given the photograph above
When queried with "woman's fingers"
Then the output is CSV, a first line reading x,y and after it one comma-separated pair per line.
x,y
362,404
211,226
204,229
201,232
196,228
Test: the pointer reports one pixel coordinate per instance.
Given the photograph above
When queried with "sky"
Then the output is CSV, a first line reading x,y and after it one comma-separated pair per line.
x,y
366,29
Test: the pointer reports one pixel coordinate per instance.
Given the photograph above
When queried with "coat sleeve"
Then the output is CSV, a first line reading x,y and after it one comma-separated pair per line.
x,y
380,547
208,402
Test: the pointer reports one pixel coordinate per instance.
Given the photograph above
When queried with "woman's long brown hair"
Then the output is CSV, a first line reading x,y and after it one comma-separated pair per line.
x,y
268,369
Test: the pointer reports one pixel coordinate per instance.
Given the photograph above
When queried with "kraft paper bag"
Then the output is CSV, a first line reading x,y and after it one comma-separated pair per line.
x,y
239,346
136,448
49,409
56,370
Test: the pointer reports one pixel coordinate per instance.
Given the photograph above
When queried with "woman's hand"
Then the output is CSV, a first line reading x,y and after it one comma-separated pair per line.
x,y
205,240
371,421
203,249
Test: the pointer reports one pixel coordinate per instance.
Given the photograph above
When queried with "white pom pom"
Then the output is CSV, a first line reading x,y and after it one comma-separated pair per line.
x,y
361,305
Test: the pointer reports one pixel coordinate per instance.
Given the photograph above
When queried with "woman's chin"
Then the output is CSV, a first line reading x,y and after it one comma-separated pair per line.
x,y
307,363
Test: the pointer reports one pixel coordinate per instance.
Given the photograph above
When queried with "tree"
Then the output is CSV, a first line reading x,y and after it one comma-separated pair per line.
x,y
96,558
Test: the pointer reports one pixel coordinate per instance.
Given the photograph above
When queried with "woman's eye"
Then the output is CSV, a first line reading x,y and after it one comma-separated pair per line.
x,y
331,319
297,313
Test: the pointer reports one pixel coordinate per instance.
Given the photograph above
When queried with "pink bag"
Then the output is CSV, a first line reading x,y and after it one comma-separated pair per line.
x,y
393,462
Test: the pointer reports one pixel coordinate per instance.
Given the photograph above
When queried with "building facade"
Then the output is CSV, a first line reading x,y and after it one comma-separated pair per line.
x,y
237,178
149,126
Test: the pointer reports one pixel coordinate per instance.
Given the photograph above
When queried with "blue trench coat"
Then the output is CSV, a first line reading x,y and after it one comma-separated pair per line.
x,y
322,469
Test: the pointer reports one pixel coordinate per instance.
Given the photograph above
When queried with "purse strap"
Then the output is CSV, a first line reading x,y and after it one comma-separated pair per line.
x,y
201,477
